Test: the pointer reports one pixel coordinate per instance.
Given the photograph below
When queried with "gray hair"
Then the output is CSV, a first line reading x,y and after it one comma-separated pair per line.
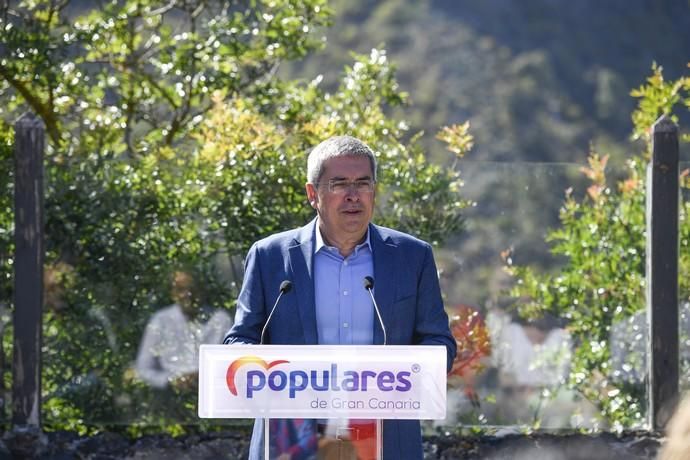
x,y
337,146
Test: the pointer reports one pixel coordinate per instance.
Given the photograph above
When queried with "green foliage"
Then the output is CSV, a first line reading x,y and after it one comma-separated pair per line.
x,y
6,256
602,285
137,74
6,206
659,97
173,144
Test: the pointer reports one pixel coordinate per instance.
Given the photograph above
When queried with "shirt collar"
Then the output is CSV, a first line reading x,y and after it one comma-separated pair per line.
x,y
320,243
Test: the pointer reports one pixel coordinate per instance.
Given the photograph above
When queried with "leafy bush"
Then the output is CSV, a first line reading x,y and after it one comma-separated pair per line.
x,y
601,289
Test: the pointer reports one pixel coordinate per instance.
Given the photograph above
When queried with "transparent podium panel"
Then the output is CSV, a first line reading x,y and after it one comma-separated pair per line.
x,y
323,439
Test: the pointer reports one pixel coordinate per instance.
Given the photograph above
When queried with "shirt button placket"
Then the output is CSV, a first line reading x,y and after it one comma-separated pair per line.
x,y
345,307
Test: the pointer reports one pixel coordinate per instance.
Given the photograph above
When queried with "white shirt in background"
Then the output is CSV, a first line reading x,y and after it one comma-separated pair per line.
x,y
170,346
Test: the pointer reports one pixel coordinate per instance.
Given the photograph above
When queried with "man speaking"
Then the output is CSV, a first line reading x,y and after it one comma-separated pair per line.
x,y
326,271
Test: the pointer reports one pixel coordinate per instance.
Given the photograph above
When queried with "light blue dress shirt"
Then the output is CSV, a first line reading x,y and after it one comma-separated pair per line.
x,y
344,311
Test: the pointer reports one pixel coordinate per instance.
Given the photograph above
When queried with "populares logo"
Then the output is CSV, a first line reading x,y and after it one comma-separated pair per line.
x,y
235,365
324,379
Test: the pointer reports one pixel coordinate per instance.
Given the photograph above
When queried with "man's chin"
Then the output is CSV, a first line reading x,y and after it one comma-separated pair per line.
x,y
353,221
356,230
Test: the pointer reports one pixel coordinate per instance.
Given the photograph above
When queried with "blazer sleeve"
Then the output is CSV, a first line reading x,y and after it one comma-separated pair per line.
x,y
431,323
250,313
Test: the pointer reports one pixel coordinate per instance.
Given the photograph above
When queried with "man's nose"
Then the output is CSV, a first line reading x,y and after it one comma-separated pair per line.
x,y
352,194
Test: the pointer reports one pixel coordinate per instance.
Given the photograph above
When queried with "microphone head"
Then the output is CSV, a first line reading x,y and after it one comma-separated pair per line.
x,y
368,282
285,286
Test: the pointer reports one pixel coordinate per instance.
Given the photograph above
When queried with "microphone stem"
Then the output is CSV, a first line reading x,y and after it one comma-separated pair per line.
x,y
378,314
268,320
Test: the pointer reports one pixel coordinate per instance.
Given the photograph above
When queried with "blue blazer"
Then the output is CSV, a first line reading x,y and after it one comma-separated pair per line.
x,y
406,290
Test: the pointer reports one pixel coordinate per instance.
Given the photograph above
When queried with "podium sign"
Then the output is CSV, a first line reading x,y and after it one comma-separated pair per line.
x,y
322,381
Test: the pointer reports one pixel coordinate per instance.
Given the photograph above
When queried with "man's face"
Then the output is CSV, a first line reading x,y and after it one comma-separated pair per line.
x,y
344,212
182,289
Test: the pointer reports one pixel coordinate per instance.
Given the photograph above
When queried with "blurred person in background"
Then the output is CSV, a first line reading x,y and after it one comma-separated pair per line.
x,y
169,349
533,360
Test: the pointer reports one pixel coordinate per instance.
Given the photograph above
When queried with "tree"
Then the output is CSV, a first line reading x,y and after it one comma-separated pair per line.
x,y
137,73
174,143
601,289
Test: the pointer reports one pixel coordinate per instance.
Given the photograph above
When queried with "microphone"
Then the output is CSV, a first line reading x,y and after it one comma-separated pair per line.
x,y
285,287
369,285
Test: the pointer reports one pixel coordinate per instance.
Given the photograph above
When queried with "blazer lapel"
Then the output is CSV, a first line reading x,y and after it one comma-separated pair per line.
x,y
385,261
301,257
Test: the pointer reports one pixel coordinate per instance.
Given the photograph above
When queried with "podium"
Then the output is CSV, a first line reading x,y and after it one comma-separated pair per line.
x,y
322,401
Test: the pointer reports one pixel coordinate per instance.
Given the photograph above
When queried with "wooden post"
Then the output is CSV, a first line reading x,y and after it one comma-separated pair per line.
x,y
662,272
28,271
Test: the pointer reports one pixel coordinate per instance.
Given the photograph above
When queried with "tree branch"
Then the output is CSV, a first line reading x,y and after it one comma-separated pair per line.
x,y
42,110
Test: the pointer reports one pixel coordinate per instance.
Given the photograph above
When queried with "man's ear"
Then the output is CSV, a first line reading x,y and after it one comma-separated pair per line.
x,y
312,196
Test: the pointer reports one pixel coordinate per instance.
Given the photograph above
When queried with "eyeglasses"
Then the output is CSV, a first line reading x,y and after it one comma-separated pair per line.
x,y
339,187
